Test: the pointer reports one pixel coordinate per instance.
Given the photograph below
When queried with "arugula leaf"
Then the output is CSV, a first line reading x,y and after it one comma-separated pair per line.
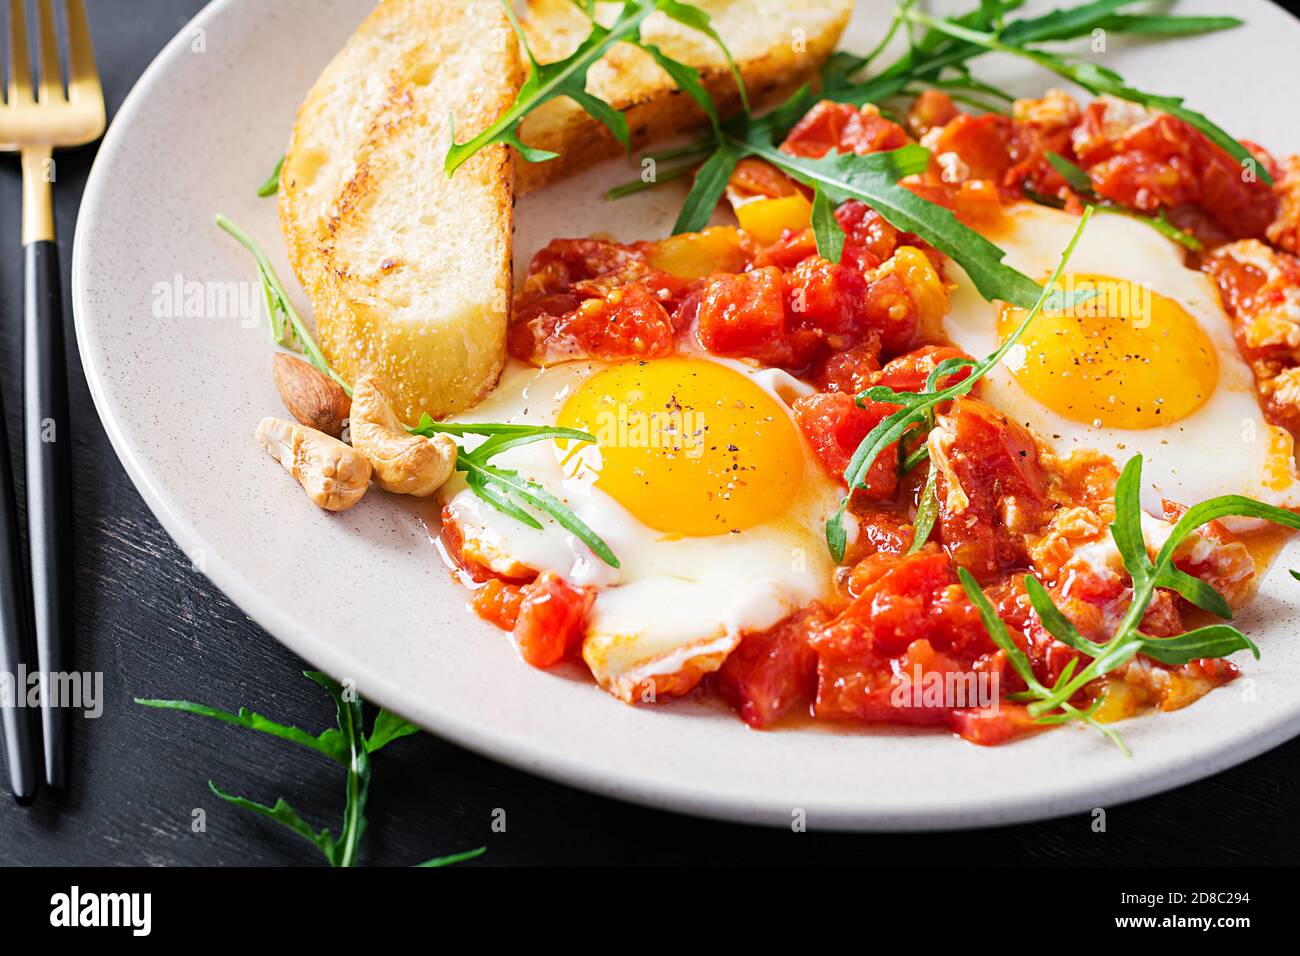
x,y
346,745
1056,623
1165,25
504,489
997,630
917,409
927,510
357,793
568,78
330,743
508,491
873,179
1081,183
826,228
1214,640
442,861
288,818
688,81
1074,177
428,428
710,184
1099,81
388,727
696,19
272,184
545,82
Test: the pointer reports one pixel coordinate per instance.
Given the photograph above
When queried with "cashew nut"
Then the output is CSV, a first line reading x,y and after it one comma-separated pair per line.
x,y
334,476
403,463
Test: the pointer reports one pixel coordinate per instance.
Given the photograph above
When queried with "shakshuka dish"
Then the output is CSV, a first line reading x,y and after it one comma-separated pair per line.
x,y
720,372
927,415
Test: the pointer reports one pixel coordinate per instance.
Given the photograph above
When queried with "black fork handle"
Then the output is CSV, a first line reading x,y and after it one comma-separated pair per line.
x,y
49,493
15,639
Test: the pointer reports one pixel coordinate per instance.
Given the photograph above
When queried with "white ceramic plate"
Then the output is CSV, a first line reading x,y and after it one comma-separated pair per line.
x,y
364,596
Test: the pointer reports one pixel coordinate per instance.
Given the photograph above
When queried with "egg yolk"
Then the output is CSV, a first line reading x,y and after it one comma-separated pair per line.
x,y
689,447
1128,358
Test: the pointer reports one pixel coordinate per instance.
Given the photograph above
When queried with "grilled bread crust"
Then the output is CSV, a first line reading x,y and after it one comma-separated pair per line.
x,y
408,271
778,45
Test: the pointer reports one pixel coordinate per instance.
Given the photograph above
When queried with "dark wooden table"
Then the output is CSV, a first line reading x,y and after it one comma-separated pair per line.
x,y
157,628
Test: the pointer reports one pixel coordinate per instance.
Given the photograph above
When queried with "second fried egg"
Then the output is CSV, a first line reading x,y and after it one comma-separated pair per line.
x,y
1149,366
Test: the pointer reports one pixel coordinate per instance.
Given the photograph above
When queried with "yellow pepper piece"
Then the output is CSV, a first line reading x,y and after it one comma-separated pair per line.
x,y
767,219
695,255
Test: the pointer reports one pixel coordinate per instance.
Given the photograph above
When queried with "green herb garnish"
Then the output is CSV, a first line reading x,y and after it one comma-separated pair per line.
x,y
272,184
505,490
347,745
280,313
1098,80
917,409
1051,704
927,511
568,78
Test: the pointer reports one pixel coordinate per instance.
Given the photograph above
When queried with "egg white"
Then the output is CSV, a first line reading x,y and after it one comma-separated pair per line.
x,y
1224,447
676,602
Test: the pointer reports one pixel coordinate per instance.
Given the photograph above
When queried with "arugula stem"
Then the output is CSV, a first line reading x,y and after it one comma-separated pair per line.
x,y
641,185
275,291
357,788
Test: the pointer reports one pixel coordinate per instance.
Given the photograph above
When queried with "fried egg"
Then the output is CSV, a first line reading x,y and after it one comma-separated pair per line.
x,y
1148,366
701,484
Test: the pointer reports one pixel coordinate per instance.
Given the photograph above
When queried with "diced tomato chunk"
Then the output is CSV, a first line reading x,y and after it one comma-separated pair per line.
x,y
827,299
1149,160
754,177
835,426
773,670
788,251
851,371
549,625
744,316
908,373
909,613
991,476
981,143
565,263
930,110
976,202
840,127
498,602
881,532
627,322
916,598
891,311
867,229
989,727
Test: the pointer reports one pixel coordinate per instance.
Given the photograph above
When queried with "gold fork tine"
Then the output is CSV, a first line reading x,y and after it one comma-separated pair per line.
x,y
51,88
83,77
20,68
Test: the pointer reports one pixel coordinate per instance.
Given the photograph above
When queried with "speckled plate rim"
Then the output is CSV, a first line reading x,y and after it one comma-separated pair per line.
x,y
1155,771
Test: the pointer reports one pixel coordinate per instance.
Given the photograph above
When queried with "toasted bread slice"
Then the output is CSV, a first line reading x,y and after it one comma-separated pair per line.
x,y
408,271
778,46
